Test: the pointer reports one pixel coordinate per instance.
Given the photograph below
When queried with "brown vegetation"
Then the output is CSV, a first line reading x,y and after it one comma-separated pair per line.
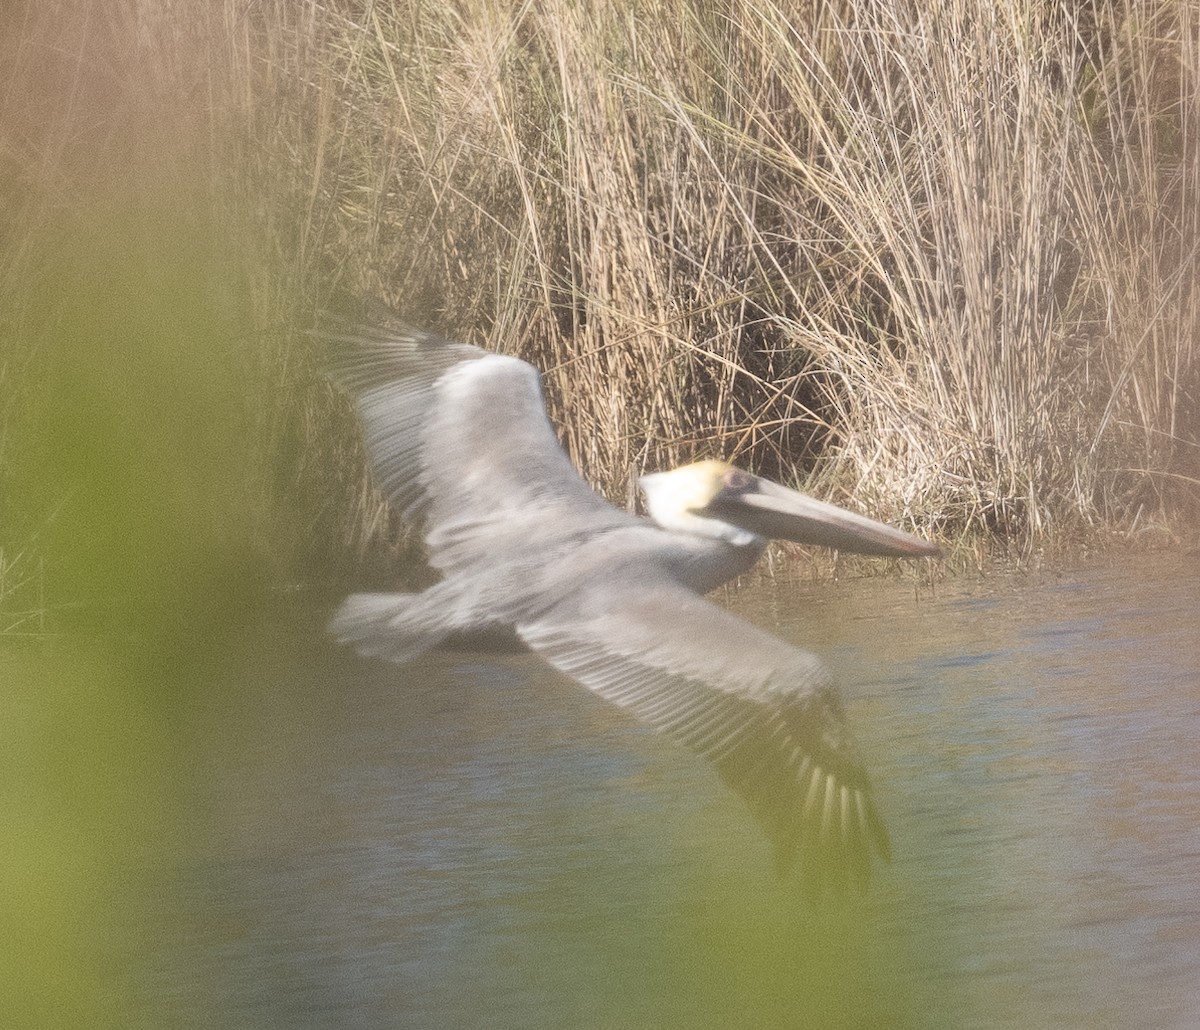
x,y
938,261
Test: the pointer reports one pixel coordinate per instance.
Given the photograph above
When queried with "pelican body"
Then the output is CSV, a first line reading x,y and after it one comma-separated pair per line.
x,y
459,441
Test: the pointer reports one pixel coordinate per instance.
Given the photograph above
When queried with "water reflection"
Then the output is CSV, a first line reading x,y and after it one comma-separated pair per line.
x,y
485,844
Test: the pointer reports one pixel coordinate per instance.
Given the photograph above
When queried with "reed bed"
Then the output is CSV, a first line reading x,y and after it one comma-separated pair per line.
x,y
937,261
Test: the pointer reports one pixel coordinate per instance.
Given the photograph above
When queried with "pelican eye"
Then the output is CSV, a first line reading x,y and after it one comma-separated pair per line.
x,y
735,481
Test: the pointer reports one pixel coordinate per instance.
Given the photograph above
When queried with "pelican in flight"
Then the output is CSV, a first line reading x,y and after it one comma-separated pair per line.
x,y
459,441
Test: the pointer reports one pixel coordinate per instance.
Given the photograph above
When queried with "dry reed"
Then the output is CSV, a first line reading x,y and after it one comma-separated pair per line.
x,y
938,261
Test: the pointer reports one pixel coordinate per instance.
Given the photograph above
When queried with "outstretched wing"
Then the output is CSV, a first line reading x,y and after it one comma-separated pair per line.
x,y
458,437
761,711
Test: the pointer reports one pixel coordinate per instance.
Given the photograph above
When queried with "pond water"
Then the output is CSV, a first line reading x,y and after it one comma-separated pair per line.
x,y
480,843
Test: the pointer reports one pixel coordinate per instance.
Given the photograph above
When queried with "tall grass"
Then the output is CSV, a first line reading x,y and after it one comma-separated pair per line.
x,y
935,260
942,257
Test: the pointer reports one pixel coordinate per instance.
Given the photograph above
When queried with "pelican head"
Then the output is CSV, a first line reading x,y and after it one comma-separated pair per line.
x,y
715,499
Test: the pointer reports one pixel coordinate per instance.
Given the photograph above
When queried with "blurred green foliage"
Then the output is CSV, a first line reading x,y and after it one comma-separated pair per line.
x,y
132,460
141,447
87,768
128,479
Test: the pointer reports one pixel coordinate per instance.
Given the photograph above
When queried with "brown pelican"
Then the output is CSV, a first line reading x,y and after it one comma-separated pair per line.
x,y
459,440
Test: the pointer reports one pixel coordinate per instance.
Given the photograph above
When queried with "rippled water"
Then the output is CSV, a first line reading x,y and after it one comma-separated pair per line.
x,y
483,844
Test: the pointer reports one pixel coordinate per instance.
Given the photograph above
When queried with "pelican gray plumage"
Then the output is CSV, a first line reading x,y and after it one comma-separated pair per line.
x,y
459,441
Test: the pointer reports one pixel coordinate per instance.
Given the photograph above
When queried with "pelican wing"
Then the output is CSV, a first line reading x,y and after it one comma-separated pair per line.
x,y
459,438
761,711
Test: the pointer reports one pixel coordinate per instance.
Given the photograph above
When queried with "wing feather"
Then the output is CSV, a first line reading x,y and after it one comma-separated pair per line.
x,y
393,376
761,711
458,438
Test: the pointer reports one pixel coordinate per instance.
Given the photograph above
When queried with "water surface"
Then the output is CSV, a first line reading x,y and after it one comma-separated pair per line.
x,y
480,843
